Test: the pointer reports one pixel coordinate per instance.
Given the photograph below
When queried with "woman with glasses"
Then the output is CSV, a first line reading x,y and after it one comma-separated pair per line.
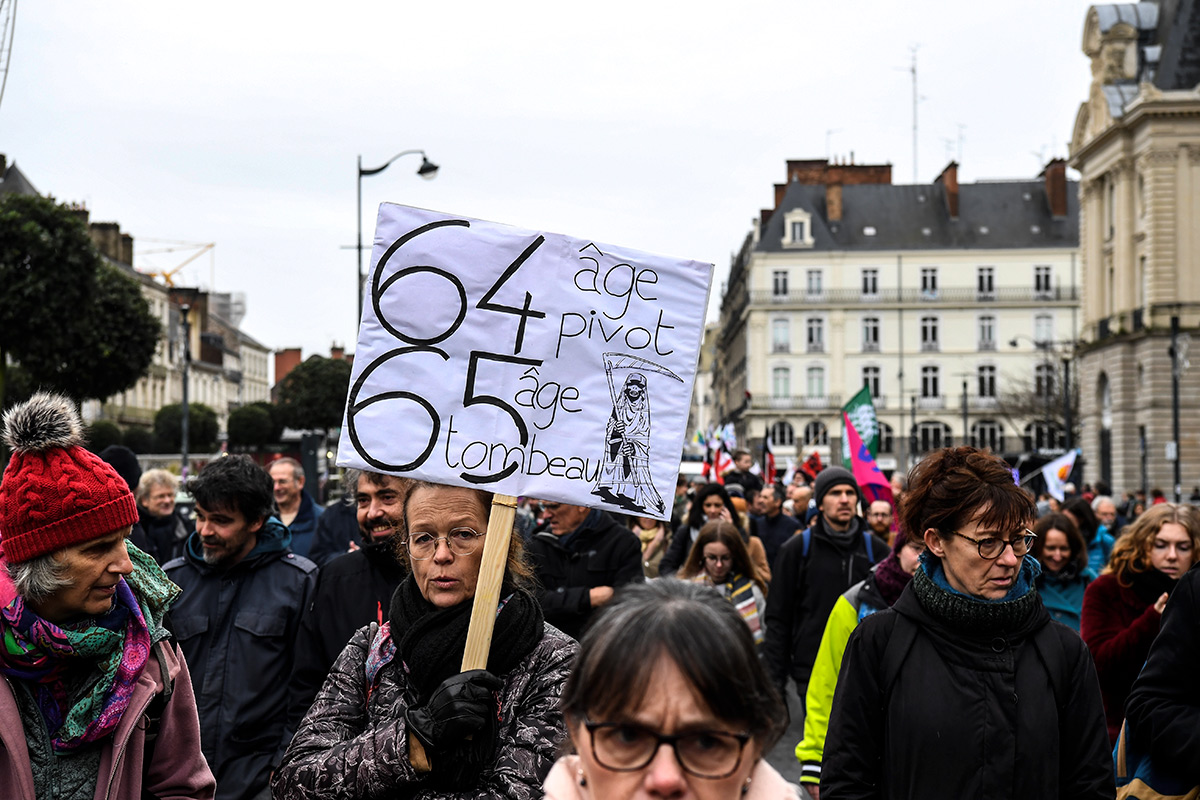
x,y
719,559
965,687
1063,553
711,503
690,717
488,733
1122,608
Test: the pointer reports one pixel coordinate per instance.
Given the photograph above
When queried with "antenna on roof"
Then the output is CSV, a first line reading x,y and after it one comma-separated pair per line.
x,y
916,98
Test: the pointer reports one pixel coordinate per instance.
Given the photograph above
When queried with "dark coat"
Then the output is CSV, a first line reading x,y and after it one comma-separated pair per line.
x,y
304,526
1119,624
353,590
236,627
775,533
1163,712
803,592
165,536
600,552
677,550
352,744
965,716
336,529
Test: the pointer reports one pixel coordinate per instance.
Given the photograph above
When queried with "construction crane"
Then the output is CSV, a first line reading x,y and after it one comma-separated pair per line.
x,y
167,276
8,25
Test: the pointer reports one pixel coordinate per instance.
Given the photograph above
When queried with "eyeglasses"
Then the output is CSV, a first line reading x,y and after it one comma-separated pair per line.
x,y
624,747
990,548
461,541
719,559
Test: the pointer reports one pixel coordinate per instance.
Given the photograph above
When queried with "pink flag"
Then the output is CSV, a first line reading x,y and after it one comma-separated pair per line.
x,y
871,481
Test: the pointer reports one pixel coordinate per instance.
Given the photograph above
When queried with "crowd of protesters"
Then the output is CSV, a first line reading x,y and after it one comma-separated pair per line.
x,y
963,638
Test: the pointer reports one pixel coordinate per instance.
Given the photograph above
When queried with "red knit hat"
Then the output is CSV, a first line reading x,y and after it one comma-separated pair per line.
x,y
55,493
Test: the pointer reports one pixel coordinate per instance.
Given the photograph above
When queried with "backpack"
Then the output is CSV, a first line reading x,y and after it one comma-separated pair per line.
x,y
1138,778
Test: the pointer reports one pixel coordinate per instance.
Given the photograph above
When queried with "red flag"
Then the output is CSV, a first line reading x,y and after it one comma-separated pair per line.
x,y
768,460
722,462
812,465
870,480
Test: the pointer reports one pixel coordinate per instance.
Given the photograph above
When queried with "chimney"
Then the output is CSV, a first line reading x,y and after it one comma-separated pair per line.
x,y
1055,175
780,191
833,202
337,352
763,218
285,361
949,179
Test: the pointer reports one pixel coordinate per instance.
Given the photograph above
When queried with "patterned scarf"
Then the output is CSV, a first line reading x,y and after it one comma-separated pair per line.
x,y
106,654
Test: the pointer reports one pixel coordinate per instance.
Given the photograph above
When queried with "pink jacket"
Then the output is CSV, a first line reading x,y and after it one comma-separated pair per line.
x,y
179,771
765,783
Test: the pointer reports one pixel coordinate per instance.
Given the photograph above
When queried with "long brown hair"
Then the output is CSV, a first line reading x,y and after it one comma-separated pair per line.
x,y
1064,524
1131,554
721,532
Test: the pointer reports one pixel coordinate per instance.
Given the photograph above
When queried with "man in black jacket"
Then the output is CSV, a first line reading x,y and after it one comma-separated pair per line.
x,y
813,569
578,561
774,527
352,590
244,593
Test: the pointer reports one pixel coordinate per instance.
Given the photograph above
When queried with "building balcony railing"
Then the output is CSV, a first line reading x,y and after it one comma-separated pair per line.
x,y
870,347
781,347
963,294
987,345
818,402
931,403
982,403
816,347
929,347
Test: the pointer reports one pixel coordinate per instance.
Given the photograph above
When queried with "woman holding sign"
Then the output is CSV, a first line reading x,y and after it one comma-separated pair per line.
x,y
486,733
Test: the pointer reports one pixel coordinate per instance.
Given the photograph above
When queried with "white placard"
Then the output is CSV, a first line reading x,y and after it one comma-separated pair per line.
x,y
524,362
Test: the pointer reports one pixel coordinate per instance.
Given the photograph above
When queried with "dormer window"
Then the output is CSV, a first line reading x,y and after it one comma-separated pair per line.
x,y
797,229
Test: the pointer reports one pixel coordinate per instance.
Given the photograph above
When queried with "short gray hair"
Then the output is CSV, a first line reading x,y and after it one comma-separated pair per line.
x,y
1097,502
39,578
153,478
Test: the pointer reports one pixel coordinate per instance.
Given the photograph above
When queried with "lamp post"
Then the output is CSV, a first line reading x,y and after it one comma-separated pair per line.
x,y
187,360
427,170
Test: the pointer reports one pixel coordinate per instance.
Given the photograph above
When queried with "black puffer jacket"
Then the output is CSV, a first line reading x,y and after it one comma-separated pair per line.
x,y
965,715
352,744
803,592
601,552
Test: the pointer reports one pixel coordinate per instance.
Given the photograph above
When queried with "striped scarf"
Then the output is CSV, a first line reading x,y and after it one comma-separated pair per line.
x,y
739,590
116,645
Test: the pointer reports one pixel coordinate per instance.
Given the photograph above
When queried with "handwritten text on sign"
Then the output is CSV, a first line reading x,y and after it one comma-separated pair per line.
x,y
526,363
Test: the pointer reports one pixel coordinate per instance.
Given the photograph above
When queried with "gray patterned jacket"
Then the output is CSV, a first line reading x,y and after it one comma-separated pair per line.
x,y
349,746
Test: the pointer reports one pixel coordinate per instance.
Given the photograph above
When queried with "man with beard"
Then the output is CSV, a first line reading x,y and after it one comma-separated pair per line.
x,y
354,589
879,519
244,593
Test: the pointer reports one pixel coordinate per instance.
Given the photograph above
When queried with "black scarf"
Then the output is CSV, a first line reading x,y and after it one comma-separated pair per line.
x,y
1150,584
430,640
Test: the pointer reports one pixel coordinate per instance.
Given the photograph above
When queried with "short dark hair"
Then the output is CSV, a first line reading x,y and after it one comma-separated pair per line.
x,y
739,453
777,490
950,486
694,627
1082,511
234,482
1061,522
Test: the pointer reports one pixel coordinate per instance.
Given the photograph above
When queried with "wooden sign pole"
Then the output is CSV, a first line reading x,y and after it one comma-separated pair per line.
x,y
487,597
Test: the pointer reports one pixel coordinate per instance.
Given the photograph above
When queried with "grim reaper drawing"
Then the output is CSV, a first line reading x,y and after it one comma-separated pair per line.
x,y
625,478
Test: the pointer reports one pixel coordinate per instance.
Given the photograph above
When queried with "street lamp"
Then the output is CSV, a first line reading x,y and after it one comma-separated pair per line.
x,y
427,170
187,360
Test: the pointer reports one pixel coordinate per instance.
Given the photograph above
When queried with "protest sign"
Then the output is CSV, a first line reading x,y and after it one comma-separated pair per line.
x,y
524,362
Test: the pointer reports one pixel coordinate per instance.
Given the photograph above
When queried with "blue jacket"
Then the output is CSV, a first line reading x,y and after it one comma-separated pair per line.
x,y
304,526
237,627
1063,595
1099,549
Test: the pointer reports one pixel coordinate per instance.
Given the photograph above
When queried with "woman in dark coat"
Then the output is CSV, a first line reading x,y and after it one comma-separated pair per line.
x,y
490,733
1122,608
966,688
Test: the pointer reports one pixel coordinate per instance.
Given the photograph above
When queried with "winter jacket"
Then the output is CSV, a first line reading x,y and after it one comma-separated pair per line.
x,y
860,601
965,715
1062,595
1163,712
304,527
804,591
352,744
765,783
775,532
1099,549
600,552
1119,624
353,590
237,628
165,536
681,545
178,771
336,529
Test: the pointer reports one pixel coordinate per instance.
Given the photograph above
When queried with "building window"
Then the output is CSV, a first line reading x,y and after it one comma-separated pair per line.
x,y
929,283
985,283
783,434
781,382
1043,379
1042,278
987,380
1043,435
799,228
870,334
1043,328
870,282
1110,204
929,334
779,282
887,439
987,332
816,434
815,334
930,381
988,435
871,380
781,337
931,436
815,377
813,282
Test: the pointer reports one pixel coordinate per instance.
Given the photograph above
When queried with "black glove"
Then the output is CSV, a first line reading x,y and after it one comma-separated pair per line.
x,y
461,706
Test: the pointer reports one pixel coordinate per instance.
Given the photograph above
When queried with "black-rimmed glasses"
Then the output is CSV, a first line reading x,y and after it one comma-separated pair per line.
x,y
625,747
991,547
461,541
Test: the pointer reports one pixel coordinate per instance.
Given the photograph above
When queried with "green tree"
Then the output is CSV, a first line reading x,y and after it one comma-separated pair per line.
x,y
101,433
139,439
276,423
202,428
75,323
313,395
250,426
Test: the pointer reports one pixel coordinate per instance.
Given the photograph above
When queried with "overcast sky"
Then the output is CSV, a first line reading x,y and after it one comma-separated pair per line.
x,y
659,126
